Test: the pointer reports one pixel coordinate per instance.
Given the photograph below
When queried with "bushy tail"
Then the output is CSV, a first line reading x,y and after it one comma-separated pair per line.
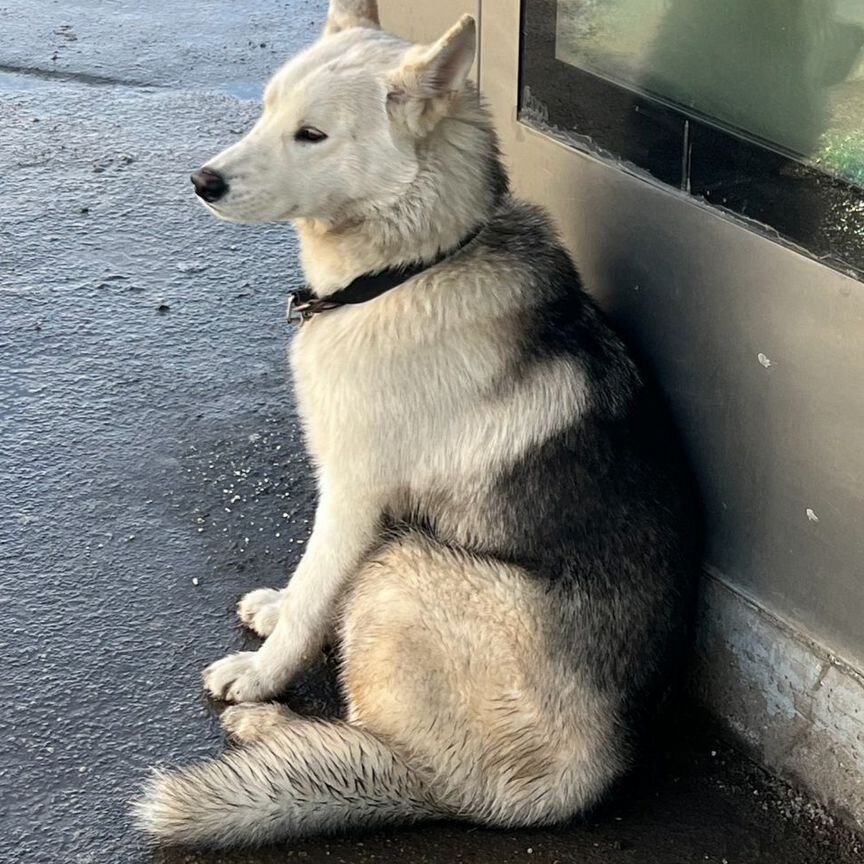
x,y
305,778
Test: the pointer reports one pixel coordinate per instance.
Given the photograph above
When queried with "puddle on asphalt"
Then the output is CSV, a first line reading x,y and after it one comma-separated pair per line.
x,y
10,81
248,92
29,80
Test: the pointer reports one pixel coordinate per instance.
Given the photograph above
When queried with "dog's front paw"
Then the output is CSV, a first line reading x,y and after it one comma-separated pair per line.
x,y
239,678
259,610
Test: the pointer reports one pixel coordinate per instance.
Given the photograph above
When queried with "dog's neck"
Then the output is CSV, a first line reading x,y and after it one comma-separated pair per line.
x,y
331,258
452,208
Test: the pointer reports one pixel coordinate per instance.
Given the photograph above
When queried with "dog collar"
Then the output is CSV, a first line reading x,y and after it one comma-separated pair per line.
x,y
304,304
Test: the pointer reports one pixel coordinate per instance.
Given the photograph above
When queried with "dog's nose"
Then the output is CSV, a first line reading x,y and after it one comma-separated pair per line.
x,y
209,184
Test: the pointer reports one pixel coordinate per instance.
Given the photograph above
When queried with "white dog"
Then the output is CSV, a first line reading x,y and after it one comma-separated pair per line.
x,y
502,534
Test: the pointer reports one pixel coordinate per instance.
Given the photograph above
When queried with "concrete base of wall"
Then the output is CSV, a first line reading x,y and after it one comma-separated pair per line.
x,y
797,706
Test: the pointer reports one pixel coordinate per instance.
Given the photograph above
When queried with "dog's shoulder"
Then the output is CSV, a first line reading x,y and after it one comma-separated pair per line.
x,y
562,320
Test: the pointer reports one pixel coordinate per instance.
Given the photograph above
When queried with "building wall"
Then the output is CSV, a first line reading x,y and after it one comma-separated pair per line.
x,y
761,353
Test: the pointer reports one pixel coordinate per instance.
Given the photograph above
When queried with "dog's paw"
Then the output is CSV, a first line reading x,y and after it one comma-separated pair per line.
x,y
239,678
252,721
259,610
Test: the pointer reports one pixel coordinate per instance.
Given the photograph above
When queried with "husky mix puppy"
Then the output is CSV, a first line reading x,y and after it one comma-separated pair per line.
x,y
503,535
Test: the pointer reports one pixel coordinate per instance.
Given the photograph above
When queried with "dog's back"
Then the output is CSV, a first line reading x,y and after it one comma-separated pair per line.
x,y
562,462
484,440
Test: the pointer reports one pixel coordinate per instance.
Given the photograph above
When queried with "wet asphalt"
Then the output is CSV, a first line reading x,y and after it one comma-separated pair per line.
x,y
151,468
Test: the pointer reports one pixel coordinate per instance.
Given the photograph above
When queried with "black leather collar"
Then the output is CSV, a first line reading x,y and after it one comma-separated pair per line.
x,y
304,304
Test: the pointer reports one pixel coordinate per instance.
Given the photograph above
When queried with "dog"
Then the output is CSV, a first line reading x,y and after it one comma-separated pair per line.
x,y
502,537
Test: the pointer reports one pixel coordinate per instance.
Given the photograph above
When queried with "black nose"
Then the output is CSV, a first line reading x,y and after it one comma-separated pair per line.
x,y
209,184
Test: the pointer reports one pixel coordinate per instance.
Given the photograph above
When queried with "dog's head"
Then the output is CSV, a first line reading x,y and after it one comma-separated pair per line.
x,y
343,123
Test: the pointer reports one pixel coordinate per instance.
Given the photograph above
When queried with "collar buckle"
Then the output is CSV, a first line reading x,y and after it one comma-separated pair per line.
x,y
298,311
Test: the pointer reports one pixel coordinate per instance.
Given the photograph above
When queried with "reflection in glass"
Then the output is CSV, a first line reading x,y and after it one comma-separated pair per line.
x,y
786,72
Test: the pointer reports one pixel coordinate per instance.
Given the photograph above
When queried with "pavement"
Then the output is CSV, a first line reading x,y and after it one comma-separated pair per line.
x,y
151,468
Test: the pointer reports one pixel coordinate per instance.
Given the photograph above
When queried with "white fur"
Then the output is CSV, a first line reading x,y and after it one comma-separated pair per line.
x,y
370,386
425,362
460,701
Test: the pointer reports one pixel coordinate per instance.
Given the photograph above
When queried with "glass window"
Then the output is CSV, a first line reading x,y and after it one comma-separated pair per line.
x,y
755,105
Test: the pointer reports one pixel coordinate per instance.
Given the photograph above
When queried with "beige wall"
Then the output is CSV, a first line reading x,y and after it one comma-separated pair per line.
x,y
426,21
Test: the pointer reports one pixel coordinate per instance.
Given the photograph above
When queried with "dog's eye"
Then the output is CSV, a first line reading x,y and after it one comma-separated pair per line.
x,y
309,134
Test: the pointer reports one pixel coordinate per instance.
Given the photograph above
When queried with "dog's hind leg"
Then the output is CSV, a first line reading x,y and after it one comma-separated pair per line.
x,y
457,663
253,721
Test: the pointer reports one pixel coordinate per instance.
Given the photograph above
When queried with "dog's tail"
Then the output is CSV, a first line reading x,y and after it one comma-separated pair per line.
x,y
305,778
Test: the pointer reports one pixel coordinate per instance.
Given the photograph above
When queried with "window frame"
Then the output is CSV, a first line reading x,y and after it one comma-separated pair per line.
x,y
774,191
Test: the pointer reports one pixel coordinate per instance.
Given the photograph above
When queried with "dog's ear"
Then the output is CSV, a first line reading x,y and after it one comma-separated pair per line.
x,y
420,91
343,14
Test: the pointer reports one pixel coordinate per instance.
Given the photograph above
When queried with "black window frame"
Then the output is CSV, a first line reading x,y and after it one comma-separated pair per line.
x,y
777,193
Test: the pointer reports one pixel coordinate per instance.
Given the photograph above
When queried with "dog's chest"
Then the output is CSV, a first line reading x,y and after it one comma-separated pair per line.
x,y
371,390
